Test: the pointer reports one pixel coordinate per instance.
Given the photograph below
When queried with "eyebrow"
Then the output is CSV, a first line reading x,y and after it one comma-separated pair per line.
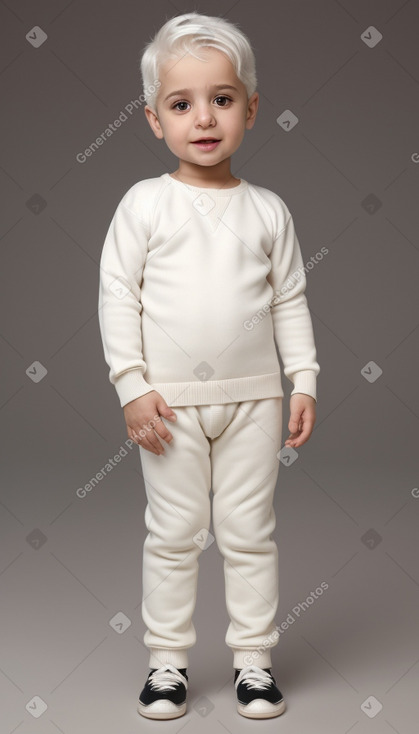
x,y
187,91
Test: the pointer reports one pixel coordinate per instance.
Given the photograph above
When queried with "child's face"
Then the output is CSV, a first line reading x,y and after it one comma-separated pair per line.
x,y
204,111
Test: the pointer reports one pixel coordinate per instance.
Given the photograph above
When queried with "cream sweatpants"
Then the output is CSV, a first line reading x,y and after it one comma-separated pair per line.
x,y
233,449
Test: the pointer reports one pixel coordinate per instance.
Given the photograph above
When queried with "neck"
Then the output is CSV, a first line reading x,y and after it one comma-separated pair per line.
x,y
218,176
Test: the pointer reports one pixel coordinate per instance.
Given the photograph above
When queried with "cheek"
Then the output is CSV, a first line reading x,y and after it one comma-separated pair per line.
x,y
238,129
175,132
239,121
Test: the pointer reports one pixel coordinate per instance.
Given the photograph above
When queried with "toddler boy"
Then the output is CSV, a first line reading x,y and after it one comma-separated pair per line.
x,y
201,277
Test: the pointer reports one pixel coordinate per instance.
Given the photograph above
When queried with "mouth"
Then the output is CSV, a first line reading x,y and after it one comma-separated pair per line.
x,y
207,140
207,144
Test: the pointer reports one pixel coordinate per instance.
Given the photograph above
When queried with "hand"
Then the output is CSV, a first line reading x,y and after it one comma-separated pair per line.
x,y
302,419
142,417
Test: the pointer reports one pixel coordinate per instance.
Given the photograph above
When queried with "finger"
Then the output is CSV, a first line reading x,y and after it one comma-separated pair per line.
x,y
145,444
163,431
304,435
293,425
146,432
146,441
151,428
148,447
154,441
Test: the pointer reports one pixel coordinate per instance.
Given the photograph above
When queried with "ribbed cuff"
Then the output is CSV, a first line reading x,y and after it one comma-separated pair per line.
x,y
305,381
131,385
174,655
244,657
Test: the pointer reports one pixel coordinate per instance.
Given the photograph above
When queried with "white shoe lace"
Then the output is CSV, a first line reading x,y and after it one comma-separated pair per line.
x,y
254,677
166,678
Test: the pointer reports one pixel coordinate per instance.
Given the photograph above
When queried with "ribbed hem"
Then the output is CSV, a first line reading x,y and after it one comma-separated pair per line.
x,y
174,655
131,385
305,382
245,656
233,390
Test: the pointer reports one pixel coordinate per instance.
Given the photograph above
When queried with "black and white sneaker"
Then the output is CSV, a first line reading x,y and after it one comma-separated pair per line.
x,y
257,694
164,694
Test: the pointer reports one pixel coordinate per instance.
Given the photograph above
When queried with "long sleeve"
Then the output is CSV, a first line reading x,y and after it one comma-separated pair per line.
x,y
293,329
121,267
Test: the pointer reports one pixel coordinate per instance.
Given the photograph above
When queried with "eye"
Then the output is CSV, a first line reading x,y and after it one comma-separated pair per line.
x,y
175,106
222,96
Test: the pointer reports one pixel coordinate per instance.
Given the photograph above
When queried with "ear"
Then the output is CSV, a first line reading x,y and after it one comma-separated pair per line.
x,y
153,121
252,108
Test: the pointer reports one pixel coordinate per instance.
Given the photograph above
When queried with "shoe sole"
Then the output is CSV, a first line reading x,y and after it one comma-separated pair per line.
x,y
162,709
261,709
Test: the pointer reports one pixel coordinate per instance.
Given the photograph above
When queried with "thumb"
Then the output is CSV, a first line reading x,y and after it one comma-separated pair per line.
x,y
165,411
294,423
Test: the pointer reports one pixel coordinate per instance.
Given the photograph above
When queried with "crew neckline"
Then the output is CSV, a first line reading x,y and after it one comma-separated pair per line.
x,y
220,192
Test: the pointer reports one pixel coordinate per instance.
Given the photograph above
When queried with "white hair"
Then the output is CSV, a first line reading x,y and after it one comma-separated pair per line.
x,y
186,33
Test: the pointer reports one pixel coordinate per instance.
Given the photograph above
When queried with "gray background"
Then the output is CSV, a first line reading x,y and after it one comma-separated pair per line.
x,y
347,508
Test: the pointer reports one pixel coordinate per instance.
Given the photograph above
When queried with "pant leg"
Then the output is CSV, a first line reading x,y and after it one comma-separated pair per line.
x,y
244,474
177,485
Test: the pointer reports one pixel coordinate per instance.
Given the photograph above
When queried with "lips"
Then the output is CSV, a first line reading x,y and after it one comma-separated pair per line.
x,y
207,145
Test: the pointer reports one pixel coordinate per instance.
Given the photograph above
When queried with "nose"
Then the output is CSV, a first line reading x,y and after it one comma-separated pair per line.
x,y
204,114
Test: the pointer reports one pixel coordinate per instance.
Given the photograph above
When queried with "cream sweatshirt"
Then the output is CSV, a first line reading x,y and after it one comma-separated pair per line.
x,y
198,289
